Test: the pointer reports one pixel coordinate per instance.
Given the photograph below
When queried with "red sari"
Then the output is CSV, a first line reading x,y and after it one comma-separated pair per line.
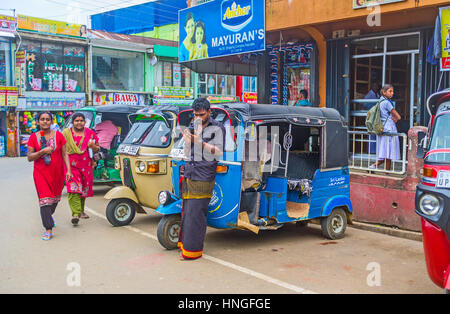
x,y
49,179
82,166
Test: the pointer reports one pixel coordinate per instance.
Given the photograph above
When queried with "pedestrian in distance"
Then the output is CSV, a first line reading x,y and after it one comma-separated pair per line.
x,y
204,144
47,149
303,99
388,146
82,143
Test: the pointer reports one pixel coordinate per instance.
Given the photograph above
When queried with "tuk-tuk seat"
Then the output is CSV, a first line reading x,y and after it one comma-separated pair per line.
x,y
300,166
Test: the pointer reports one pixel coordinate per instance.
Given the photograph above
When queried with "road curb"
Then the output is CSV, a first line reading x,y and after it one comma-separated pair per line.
x,y
406,234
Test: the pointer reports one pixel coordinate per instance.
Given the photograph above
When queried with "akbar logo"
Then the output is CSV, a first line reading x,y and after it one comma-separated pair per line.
x,y
236,14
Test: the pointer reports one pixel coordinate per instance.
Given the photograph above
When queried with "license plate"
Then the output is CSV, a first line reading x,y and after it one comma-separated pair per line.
x,y
443,179
128,149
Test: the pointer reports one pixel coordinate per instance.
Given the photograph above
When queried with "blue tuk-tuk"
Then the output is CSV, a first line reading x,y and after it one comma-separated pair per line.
x,y
280,164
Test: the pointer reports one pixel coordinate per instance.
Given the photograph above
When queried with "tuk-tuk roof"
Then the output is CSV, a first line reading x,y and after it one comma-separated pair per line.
x,y
118,108
172,108
436,99
335,149
268,112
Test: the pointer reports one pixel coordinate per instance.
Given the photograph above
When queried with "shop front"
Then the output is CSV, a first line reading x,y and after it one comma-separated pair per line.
x,y
8,92
118,69
51,73
291,71
173,82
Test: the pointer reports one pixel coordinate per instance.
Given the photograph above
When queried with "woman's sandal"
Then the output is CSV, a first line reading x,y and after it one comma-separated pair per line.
x,y
84,215
47,236
75,220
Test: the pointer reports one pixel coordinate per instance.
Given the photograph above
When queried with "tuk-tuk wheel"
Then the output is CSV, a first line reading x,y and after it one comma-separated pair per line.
x,y
333,226
120,212
169,230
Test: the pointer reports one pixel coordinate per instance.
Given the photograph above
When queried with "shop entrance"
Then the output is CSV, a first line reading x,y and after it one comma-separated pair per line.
x,y
392,59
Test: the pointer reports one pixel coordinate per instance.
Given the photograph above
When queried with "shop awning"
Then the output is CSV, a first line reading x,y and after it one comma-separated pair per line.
x,y
7,34
131,42
231,65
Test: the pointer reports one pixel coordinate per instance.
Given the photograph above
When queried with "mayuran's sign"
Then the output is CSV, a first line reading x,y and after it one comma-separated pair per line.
x,y
220,28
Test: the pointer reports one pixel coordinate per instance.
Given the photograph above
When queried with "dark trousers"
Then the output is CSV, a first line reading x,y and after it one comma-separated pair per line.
x,y
193,227
46,216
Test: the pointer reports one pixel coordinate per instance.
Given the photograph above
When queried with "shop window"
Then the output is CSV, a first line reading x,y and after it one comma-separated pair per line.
x,y
54,67
213,84
202,83
362,47
74,68
172,74
249,84
117,70
5,66
34,69
400,43
53,62
299,79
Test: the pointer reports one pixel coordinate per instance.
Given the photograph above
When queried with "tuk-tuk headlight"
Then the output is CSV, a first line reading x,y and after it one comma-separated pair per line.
x,y
429,204
142,166
163,197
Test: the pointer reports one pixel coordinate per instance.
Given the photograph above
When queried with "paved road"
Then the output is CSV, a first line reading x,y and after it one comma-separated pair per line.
x,y
98,258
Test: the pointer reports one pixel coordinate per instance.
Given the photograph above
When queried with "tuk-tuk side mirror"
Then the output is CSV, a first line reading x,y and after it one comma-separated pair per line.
x,y
421,144
250,131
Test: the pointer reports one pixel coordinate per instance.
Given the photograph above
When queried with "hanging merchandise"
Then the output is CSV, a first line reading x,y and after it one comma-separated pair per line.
x,y
290,72
28,125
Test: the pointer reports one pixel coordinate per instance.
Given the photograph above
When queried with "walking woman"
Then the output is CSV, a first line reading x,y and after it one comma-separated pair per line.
x,y
47,149
388,146
79,141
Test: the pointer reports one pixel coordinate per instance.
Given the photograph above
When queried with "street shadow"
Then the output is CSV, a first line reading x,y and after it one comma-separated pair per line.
x,y
247,239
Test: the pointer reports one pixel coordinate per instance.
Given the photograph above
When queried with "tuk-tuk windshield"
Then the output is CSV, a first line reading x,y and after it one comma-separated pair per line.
x,y
440,139
151,133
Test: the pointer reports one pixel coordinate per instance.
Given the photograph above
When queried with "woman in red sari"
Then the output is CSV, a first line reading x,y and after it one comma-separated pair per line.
x,y
79,141
48,151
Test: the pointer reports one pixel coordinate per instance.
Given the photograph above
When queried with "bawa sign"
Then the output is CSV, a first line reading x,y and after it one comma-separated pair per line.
x,y
101,99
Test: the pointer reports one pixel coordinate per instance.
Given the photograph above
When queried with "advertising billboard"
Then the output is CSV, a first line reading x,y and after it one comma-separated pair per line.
x,y
221,28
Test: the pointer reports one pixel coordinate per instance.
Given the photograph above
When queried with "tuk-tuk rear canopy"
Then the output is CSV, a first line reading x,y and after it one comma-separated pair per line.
x,y
334,129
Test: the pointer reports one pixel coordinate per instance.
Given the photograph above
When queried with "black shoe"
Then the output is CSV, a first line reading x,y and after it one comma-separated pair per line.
x,y
75,220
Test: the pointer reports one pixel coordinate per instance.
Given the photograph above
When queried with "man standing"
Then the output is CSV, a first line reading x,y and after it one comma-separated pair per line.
x,y
205,141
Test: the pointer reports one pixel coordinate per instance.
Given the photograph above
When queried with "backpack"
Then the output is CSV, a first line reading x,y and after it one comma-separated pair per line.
x,y
373,120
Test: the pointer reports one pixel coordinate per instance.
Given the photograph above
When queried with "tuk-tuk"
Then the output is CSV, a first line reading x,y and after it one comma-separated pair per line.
x,y
280,164
432,200
104,171
143,163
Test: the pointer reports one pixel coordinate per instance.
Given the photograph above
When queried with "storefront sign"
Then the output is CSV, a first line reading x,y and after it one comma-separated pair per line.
x,y
445,33
250,98
221,28
51,101
126,99
9,96
174,92
358,4
39,25
8,24
216,99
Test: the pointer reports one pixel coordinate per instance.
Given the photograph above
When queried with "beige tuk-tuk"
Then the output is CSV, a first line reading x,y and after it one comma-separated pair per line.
x,y
144,164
